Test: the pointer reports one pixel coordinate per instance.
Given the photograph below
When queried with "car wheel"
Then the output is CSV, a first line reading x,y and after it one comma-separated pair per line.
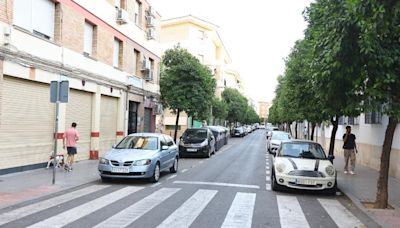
x,y
106,179
174,167
156,174
275,186
208,153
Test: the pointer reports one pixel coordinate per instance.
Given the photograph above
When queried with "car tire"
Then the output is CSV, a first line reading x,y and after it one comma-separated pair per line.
x,y
174,167
156,173
105,179
275,186
208,155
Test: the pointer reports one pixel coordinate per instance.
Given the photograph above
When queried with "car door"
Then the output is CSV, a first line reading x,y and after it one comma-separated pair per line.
x,y
172,150
163,154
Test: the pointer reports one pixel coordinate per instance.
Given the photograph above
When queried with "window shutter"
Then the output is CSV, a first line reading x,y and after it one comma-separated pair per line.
x,y
43,17
23,14
88,40
116,53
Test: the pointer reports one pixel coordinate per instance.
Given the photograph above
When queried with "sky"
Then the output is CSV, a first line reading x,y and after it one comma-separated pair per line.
x,y
258,35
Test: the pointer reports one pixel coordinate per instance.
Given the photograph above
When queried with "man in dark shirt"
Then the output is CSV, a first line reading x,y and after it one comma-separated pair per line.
x,y
350,149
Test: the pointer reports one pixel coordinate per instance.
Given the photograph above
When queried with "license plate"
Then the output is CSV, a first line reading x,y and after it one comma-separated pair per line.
x,y
120,170
306,182
237,134
191,149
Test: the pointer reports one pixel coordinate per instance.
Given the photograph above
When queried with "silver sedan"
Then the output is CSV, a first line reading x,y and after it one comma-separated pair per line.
x,y
140,155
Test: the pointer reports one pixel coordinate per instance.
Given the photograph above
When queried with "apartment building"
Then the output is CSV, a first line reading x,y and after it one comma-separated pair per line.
x,y
202,40
109,52
263,109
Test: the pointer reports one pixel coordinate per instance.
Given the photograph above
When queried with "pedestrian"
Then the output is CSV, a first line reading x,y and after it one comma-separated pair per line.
x,y
70,139
350,150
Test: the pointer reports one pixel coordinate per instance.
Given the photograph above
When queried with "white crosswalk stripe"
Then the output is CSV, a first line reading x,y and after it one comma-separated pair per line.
x,y
290,213
132,213
188,212
240,213
339,214
76,213
43,205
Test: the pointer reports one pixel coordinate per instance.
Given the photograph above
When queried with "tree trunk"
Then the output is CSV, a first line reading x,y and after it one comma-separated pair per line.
x,y
192,121
334,122
176,125
382,192
295,130
308,130
312,131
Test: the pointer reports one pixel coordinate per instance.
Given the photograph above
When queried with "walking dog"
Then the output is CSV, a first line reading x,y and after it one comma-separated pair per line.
x,y
58,161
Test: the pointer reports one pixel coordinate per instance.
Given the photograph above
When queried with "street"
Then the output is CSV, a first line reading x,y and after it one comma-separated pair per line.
x,y
230,189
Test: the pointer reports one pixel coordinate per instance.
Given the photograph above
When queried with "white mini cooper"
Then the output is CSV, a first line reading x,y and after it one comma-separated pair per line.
x,y
303,165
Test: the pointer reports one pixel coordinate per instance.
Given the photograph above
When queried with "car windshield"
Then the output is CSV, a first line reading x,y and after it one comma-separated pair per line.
x,y
195,135
280,136
302,150
139,142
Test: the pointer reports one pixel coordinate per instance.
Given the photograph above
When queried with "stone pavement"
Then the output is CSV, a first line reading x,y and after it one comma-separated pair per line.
x,y
362,187
22,186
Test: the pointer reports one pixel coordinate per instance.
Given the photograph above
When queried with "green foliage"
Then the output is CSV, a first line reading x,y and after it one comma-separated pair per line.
x,y
238,108
219,109
186,84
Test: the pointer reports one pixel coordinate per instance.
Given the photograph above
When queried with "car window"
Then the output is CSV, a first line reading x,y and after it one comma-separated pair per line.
x,y
280,136
302,150
195,134
169,140
164,141
139,142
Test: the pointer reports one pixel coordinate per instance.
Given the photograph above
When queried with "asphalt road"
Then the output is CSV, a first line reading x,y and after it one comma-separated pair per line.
x,y
230,189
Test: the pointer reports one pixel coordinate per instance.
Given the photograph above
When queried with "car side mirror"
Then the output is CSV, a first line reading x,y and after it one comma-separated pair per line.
x,y
113,146
164,147
331,157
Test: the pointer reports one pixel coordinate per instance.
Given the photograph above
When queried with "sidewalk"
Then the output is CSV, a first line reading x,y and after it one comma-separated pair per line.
x,y
22,186
362,187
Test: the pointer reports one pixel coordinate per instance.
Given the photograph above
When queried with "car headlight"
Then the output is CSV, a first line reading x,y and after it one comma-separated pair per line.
x,y
104,161
142,162
330,170
181,143
280,167
204,143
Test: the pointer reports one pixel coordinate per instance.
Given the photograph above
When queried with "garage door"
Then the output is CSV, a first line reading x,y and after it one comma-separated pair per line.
x,y
79,110
26,123
108,123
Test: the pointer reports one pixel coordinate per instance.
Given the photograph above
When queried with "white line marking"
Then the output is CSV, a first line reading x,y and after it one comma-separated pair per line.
x,y
155,184
173,176
339,214
187,213
135,211
76,213
200,162
268,172
184,170
267,167
290,213
268,187
40,206
268,178
218,184
240,213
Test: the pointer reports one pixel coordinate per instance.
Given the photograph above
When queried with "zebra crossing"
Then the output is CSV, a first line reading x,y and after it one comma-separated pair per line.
x,y
239,214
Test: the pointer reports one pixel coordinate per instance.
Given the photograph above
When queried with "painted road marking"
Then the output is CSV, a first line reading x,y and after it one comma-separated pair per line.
x,y
40,206
240,213
188,212
155,184
76,213
132,213
339,214
268,187
184,170
218,184
290,213
268,178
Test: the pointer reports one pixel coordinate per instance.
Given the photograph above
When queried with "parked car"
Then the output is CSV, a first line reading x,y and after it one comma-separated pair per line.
x,y
303,165
140,155
239,132
197,142
275,139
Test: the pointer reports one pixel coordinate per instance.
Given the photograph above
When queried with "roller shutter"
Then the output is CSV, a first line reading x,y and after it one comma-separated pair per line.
x,y
108,123
79,110
26,123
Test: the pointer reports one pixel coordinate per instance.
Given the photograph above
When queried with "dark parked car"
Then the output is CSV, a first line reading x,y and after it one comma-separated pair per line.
x,y
197,142
239,132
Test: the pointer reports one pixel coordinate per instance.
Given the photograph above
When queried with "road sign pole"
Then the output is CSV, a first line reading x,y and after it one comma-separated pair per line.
x,y
56,133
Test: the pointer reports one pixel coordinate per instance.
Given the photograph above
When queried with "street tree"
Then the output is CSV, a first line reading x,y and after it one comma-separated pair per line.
x,y
237,105
219,109
186,85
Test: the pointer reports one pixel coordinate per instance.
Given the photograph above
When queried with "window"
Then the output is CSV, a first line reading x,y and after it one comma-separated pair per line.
x,y
353,121
88,39
151,67
201,58
341,120
172,127
117,57
36,16
120,4
138,12
373,118
202,35
136,60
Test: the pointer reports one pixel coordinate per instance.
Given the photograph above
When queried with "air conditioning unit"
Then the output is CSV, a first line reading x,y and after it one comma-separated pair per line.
x,y
151,21
151,34
158,109
146,65
151,11
122,16
148,75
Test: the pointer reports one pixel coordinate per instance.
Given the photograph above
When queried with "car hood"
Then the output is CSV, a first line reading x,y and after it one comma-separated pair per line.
x,y
302,163
129,154
275,141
